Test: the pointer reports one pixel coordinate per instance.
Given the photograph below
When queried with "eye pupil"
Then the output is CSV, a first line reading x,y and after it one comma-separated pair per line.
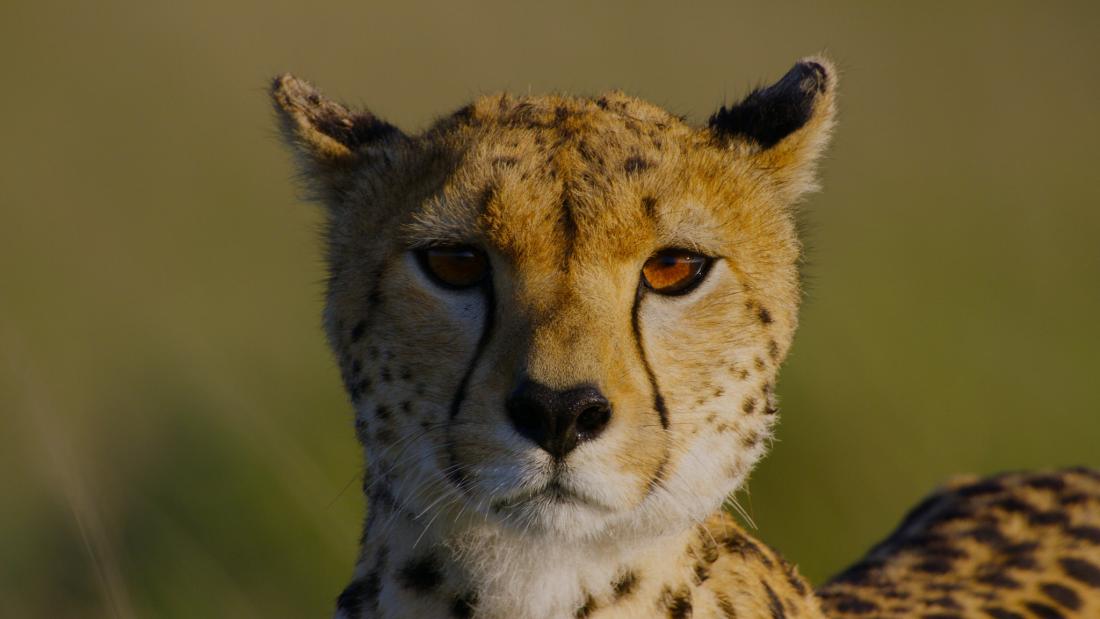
x,y
675,271
454,266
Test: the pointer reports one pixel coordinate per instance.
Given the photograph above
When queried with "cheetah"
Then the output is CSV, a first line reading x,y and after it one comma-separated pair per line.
x,y
559,322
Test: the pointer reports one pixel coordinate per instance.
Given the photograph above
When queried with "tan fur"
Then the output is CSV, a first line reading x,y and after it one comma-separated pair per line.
x,y
568,197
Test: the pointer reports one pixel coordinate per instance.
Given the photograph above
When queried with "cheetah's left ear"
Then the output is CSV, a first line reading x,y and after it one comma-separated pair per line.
x,y
785,127
327,138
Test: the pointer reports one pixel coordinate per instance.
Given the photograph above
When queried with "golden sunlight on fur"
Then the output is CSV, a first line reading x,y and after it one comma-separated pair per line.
x,y
560,320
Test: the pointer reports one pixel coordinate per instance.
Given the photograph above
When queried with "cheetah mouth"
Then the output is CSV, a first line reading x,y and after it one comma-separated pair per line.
x,y
551,494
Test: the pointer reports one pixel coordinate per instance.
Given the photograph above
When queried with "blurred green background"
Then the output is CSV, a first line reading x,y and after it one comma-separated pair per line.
x,y
174,440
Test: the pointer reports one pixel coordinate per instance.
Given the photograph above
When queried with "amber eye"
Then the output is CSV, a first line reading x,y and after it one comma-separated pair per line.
x,y
454,266
675,271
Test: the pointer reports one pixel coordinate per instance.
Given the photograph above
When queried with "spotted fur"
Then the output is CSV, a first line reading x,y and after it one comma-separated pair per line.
x,y
568,197
1015,545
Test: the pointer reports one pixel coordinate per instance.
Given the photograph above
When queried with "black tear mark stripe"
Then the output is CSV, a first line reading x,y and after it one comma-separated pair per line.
x,y
658,399
454,471
482,343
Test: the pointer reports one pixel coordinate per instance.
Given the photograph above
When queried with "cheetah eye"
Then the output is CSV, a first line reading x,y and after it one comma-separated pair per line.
x,y
454,266
675,271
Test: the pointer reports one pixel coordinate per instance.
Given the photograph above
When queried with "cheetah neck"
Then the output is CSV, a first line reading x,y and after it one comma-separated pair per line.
x,y
412,568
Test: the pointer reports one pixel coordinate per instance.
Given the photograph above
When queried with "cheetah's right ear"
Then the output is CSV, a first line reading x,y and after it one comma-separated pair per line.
x,y
325,136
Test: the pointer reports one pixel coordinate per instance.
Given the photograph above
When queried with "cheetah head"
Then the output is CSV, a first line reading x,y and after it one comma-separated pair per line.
x,y
562,315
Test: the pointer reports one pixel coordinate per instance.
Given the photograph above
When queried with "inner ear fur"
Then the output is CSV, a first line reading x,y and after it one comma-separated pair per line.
x,y
324,133
784,128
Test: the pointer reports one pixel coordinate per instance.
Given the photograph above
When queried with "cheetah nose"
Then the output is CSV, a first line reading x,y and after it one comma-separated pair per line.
x,y
557,420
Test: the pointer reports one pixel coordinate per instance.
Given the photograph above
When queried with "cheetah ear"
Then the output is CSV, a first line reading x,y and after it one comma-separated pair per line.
x,y
326,136
785,127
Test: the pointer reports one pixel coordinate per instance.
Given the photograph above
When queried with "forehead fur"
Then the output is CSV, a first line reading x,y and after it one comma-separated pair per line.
x,y
612,171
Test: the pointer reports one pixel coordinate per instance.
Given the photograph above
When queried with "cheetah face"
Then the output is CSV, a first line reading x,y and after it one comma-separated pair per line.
x,y
562,315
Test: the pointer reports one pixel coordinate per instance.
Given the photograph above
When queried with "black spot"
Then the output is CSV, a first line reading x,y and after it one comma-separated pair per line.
x,y
774,606
636,164
942,551
999,580
382,412
770,114
1020,562
749,405
944,601
773,349
745,547
463,605
764,315
1015,556
1000,613
1085,533
725,605
989,534
352,597
1062,594
364,385
357,331
625,584
421,574
981,488
365,591
1042,611
708,551
380,497
1014,505
1047,518
588,608
1021,548
759,363
847,603
1081,571
795,582
356,367
1047,482
701,572
677,603
1075,498
934,566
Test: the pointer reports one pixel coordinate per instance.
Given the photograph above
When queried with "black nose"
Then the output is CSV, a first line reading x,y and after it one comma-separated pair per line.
x,y
556,420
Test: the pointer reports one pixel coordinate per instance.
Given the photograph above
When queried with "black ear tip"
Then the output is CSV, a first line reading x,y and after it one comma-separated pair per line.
x,y
818,73
770,114
808,76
